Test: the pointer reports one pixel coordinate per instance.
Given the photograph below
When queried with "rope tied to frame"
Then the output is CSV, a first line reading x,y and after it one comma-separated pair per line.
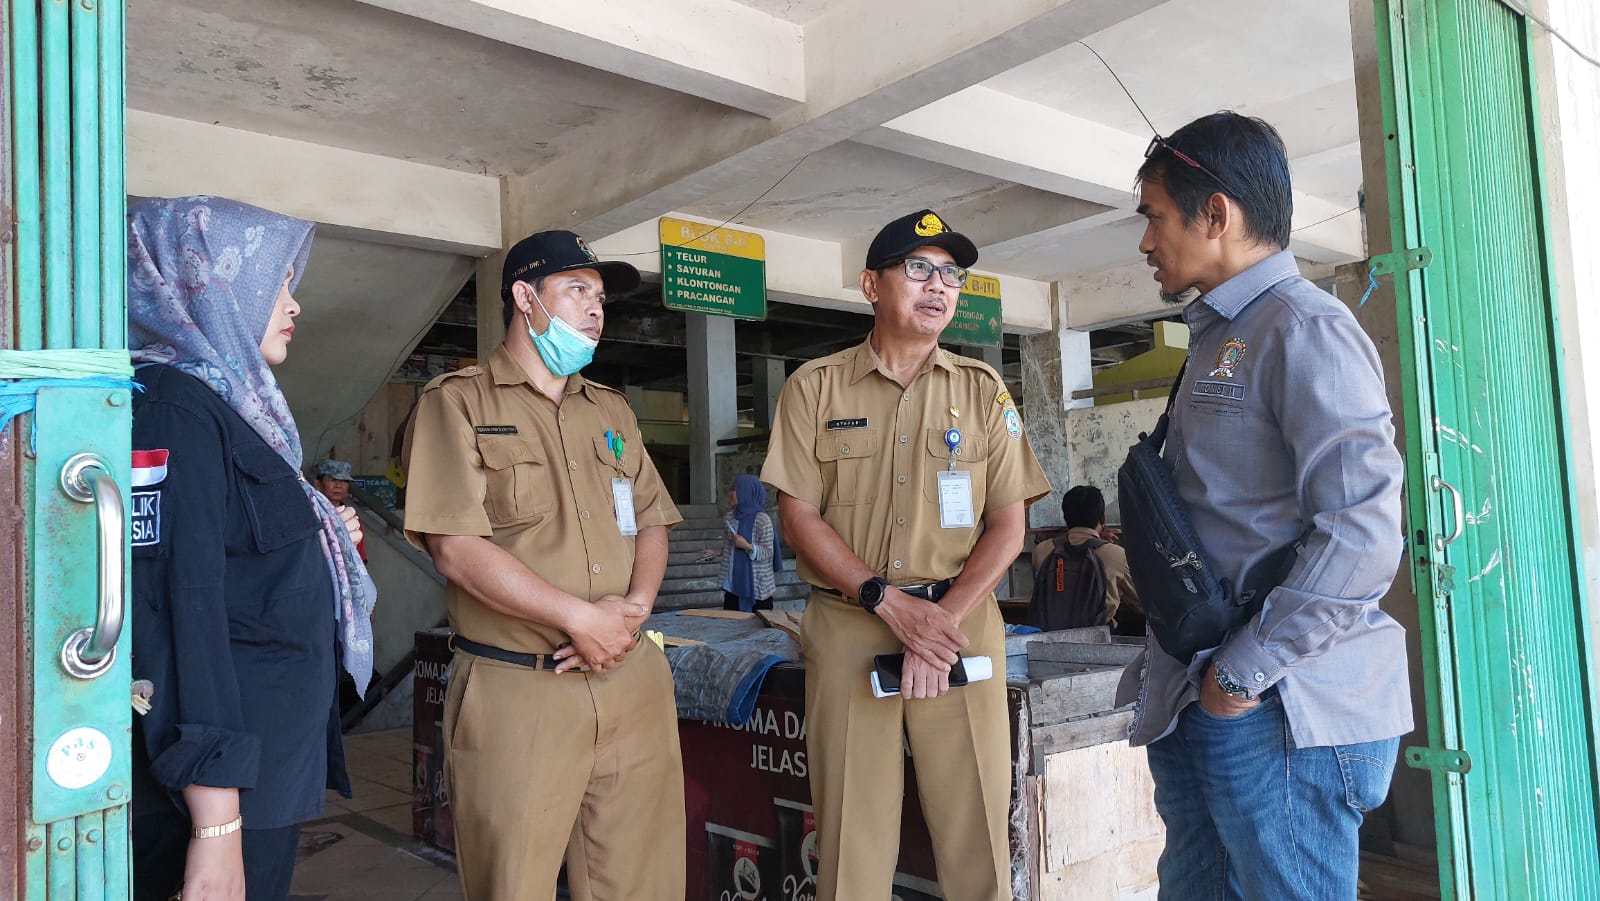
x,y
23,373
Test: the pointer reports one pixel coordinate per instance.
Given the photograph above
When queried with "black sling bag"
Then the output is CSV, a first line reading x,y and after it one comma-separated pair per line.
x,y
1189,608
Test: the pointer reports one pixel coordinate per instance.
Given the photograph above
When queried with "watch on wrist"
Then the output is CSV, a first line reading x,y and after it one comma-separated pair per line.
x,y
871,592
1231,687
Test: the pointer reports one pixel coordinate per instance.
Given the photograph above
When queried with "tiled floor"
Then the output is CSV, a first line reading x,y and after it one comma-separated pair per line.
x,y
362,848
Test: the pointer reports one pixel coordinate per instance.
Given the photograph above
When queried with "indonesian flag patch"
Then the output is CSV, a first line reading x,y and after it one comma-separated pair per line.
x,y
149,470
149,467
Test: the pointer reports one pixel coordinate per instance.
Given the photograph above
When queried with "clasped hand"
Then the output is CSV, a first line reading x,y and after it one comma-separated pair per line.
x,y
932,638
602,633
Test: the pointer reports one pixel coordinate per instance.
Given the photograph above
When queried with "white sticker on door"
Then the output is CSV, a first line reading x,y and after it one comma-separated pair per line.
x,y
79,757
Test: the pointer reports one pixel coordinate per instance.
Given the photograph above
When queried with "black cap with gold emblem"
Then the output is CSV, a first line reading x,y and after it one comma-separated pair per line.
x,y
920,229
547,253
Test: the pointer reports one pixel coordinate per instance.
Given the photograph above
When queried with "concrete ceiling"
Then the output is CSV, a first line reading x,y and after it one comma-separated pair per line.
x,y
345,75
812,120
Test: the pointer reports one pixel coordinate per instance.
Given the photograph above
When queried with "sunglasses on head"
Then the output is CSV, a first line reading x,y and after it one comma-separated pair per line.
x,y
1160,143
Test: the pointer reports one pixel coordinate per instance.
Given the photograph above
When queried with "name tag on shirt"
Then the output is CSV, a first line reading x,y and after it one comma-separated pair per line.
x,y
955,500
622,500
496,430
835,425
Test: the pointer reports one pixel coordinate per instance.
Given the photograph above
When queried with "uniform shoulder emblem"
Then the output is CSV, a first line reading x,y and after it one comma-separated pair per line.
x,y
458,374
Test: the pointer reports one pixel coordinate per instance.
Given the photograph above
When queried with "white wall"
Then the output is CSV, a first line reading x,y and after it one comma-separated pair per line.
x,y
1098,439
1572,132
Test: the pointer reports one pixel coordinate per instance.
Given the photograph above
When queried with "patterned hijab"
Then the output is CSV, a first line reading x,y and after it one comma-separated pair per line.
x,y
203,280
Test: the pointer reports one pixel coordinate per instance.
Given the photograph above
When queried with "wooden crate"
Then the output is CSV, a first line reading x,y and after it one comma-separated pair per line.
x,y
1093,832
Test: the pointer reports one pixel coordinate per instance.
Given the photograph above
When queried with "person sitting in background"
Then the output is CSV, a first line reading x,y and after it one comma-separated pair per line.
x,y
1083,509
750,551
333,478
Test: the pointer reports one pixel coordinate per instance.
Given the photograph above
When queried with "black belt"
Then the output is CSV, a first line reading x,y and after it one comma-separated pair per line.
x,y
478,649
930,591
927,591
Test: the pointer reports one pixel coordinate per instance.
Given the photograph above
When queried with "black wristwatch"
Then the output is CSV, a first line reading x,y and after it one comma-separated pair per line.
x,y
1231,687
871,592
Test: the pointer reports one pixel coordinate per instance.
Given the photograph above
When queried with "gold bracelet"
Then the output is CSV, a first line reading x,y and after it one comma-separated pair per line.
x,y
218,831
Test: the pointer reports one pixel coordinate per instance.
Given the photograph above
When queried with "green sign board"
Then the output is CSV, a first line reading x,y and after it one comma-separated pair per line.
x,y
977,322
711,270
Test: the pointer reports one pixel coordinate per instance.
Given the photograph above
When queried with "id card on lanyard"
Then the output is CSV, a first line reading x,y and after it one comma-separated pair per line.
x,y
622,501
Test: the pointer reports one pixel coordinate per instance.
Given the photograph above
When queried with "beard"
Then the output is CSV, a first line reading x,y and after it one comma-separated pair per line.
x,y
1181,298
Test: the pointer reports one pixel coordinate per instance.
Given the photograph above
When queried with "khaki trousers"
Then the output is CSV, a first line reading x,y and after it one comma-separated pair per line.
x,y
960,748
540,765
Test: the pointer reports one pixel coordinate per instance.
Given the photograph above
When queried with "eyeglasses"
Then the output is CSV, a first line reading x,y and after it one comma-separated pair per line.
x,y
1160,143
920,270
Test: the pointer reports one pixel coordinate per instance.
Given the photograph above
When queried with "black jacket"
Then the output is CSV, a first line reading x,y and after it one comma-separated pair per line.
x,y
233,614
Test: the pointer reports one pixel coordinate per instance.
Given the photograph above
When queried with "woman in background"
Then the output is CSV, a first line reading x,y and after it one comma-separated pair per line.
x,y
750,551
245,580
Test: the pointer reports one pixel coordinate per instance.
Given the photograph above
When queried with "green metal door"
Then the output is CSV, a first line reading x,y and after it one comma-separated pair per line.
x,y
1492,524
65,363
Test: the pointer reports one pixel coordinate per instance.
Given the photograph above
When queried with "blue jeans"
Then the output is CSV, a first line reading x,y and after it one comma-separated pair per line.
x,y
1251,816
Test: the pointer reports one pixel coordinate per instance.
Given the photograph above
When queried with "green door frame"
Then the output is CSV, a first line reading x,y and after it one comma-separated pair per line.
x,y
1493,529
66,348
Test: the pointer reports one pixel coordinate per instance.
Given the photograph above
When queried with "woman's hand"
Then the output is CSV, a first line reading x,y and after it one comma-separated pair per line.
x,y
214,869
741,543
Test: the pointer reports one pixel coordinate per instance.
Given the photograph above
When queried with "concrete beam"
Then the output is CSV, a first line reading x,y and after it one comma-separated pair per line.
x,y
855,81
372,198
976,130
755,62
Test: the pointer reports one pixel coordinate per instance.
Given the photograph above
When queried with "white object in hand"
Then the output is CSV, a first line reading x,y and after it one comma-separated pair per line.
x,y
978,669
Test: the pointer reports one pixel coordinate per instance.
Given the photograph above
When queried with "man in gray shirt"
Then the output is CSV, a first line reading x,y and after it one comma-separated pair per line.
x,y
1267,750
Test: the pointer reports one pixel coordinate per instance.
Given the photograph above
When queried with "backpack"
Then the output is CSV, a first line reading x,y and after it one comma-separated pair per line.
x,y
1190,608
1069,590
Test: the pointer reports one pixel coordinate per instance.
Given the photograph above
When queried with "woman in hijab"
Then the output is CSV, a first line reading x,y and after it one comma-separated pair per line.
x,y
750,552
246,582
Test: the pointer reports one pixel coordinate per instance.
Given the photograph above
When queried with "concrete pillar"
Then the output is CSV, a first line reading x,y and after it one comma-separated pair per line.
x,y
990,355
491,310
713,400
768,374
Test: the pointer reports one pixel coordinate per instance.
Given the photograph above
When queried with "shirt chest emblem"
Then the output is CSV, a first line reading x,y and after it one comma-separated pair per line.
x,y
1228,357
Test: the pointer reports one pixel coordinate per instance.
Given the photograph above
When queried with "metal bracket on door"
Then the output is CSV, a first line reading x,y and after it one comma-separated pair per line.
x,y
1401,261
1442,760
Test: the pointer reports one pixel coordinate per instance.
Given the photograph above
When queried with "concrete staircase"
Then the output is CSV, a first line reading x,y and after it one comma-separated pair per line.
x,y
689,584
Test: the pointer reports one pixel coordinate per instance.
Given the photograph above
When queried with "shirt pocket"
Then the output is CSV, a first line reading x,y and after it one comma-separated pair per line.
x,y
519,484
627,467
846,462
275,505
972,456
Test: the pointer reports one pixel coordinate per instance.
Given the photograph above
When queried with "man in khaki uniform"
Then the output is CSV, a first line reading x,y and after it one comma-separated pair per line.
x,y
903,475
531,488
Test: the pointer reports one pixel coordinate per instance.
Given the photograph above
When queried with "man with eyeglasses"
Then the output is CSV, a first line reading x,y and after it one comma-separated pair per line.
x,y
903,474
1268,749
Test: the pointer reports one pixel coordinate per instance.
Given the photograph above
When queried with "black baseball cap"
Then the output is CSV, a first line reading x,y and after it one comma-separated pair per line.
x,y
546,253
923,228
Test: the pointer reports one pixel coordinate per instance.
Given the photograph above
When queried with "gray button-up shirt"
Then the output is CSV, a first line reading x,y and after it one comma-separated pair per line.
x,y
1282,428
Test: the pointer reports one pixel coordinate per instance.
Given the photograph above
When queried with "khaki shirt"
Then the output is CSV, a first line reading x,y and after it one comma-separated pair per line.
x,y
867,452
1120,592
488,454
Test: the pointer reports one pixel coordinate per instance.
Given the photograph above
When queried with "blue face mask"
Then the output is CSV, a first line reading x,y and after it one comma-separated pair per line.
x,y
564,349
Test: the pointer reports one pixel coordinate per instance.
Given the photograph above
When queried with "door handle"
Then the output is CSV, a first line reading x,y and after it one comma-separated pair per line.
x,y
1443,541
89,652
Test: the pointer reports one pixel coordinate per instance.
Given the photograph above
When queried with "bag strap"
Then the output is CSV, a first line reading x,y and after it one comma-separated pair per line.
x,y
1172,396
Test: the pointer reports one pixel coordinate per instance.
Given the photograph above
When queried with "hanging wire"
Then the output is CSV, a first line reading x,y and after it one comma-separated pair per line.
x,y
1551,30
1328,219
724,223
